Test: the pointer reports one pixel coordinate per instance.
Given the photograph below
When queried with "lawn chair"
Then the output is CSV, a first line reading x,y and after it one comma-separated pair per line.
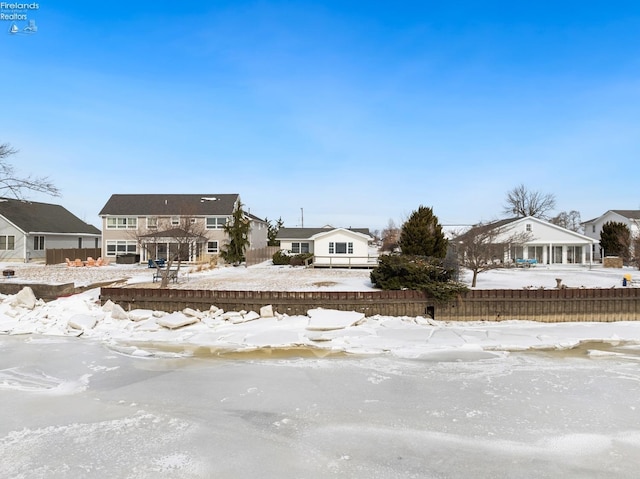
x,y
70,263
99,261
79,262
91,261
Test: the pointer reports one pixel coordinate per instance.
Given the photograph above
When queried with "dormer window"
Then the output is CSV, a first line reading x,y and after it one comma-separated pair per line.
x,y
527,227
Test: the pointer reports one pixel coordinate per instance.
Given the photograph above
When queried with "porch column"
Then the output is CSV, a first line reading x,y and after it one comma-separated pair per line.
x,y
545,254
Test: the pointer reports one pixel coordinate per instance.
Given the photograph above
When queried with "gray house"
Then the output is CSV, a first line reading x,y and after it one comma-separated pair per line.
x,y
28,228
156,226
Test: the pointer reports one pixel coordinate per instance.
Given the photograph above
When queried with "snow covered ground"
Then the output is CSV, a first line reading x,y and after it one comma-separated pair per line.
x,y
265,276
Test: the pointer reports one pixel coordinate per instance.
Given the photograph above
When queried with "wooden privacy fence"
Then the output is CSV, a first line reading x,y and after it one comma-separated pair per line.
x,y
258,255
618,304
57,256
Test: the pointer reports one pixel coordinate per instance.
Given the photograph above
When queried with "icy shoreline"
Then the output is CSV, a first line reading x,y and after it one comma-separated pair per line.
x,y
322,332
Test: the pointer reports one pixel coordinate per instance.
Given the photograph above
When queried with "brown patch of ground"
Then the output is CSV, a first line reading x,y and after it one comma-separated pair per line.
x,y
324,283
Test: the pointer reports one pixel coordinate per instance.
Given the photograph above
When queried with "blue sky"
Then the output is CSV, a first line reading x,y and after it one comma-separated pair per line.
x,y
353,112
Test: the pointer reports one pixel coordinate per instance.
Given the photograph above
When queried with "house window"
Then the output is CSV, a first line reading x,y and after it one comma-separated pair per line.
x,y
574,254
38,243
340,248
593,228
122,222
80,243
535,252
175,221
528,227
116,247
216,222
212,247
152,222
299,248
331,248
7,242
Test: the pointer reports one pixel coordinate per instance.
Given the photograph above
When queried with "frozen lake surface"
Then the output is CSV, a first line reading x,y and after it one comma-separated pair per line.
x,y
75,408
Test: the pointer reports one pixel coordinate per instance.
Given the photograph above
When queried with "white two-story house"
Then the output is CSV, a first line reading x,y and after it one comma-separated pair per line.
x,y
593,227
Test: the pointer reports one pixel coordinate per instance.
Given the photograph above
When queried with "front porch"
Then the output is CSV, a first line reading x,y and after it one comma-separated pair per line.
x,y
551,254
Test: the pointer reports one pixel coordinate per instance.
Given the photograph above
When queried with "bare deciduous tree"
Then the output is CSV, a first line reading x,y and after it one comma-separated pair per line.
x,y
523,202
570,220
484,246
390,237
11,182
179,242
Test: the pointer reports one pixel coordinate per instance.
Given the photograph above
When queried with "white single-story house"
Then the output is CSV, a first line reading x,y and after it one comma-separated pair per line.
x,y
29,228
331,247
541,242
593,227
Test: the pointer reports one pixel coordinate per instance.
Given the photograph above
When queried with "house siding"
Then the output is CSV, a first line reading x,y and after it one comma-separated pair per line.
x,y
593,228
287,245
18,252
257,235
547,240
360,254
58,241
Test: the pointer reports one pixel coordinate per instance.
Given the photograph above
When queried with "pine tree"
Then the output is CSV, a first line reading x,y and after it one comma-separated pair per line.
x,y
238,231
422,235
615,239
272,231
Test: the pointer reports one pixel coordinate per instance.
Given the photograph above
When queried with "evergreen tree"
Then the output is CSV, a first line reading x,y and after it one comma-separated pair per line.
x,y
422,235
272,231
238,231
615,239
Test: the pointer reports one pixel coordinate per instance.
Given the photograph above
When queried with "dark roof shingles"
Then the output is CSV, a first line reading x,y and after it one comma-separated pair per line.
x,y
37,217
169,204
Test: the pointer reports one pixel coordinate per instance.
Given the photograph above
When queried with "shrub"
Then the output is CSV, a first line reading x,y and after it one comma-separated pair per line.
x,y
417,273
300,259
281,257
284,257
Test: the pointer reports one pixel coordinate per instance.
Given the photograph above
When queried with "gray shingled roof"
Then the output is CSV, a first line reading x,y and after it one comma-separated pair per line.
x,y
631,214
304,233
486,226
33,217
169,204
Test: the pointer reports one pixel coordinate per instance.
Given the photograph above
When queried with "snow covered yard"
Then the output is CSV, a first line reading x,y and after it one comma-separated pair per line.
x,y
265,276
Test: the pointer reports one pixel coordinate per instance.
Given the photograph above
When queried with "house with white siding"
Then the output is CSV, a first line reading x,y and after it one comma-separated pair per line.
x,y
540,242
331,247
593,227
